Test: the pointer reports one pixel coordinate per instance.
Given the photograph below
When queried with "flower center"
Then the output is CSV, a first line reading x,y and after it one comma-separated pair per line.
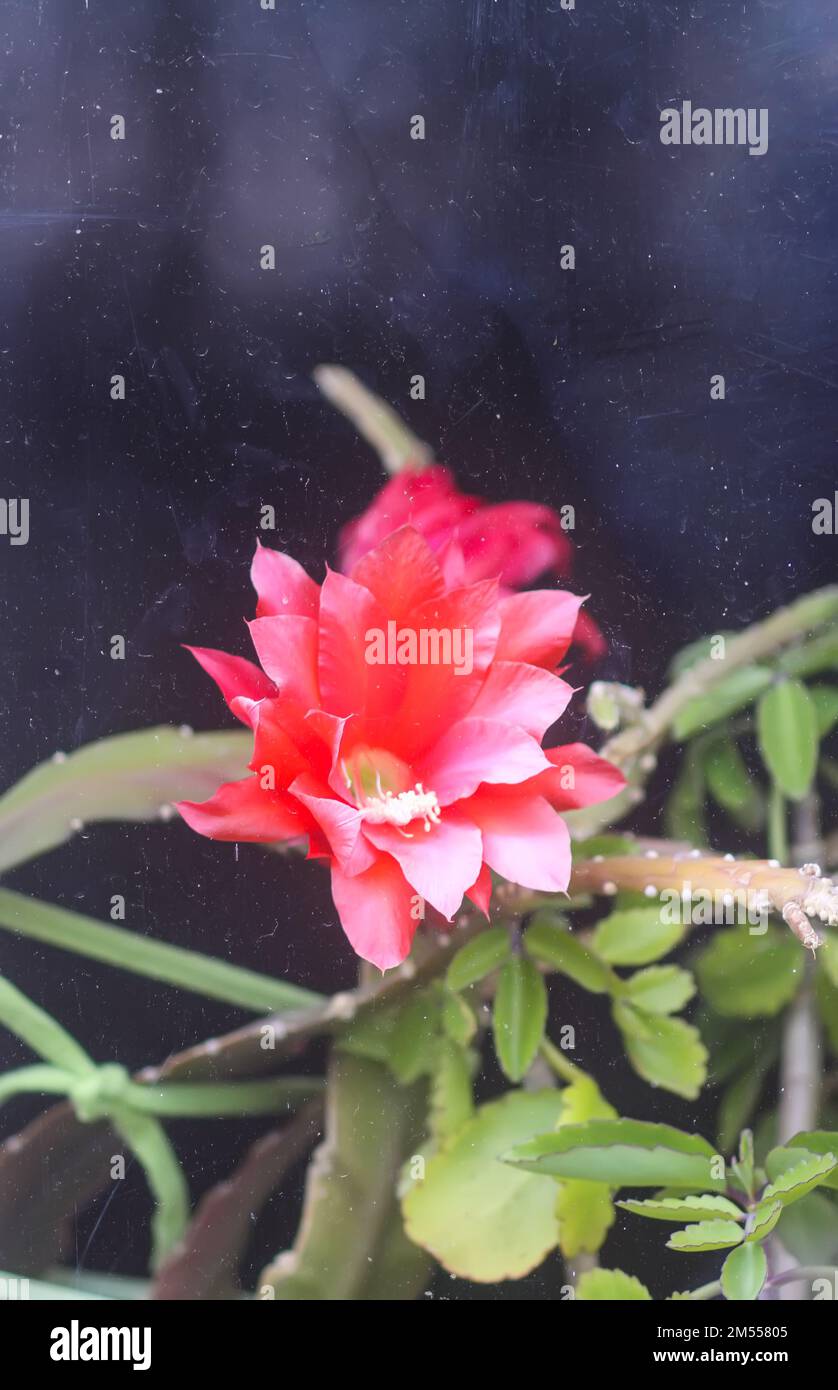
x,y
400,810
381,786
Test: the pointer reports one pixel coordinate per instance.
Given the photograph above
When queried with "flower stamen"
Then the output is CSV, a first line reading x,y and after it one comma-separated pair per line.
x,y
402,808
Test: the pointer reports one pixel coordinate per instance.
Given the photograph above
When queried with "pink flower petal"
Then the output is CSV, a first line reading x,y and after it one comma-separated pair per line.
x,y
524,840
528,696
537,627
480,891
441,863
400,573
340,823
578,777
475,751
287,650
517,541
349,682
234,677
243,811
283,587
375,909
588,636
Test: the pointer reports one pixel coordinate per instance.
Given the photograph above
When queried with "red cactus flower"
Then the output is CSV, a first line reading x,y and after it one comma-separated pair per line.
x,y
414,777
513,541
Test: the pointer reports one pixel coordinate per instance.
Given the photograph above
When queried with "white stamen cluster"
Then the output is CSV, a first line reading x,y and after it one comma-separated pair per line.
x,y
401,809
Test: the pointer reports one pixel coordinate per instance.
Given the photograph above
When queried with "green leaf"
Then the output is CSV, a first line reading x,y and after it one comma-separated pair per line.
x,y
584,1209
794,1182
740,689
825,701
787,733
622,1153
610,1286
41,1032
131,777
684,817
731,786
739,1102
482,1219
818,1141
765,1218
606,845
549,942
745,976
809,1230
665,1051
413,1039
156,960
519,1016
743,1273
706,1235
452,1104
585,1213
636,937
458,1020
478,958
662,989
677,1209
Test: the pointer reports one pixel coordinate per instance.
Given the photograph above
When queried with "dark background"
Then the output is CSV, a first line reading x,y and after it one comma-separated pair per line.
x,y
394,257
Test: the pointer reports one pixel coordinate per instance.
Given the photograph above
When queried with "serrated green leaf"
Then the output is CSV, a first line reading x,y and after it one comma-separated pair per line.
x,y
743,1273
131,777
796,1181
622,1153
706,1235
661,989
478,958
554,945
480,1218
787,734
818,1141
765,1218
519,1016
611,1286
745,976
668,1053
701,1208
740,689
636,937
